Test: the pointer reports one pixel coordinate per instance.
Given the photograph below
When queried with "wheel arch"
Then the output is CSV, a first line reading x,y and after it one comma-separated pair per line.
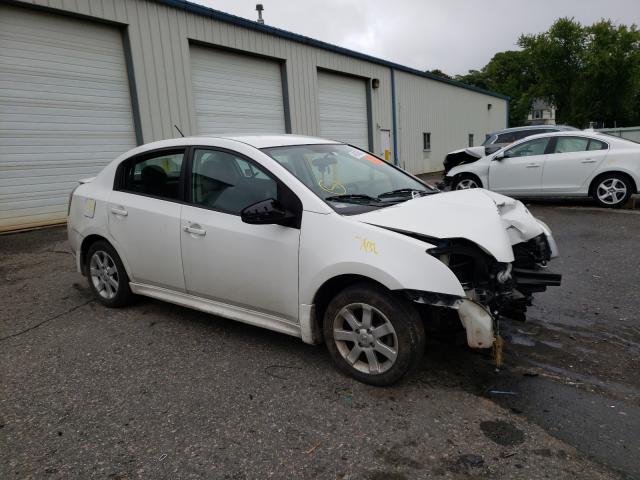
x,y
86,245
331,287
627,175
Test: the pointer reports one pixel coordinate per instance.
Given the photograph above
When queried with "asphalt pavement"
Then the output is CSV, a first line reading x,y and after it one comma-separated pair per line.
x,y
159,391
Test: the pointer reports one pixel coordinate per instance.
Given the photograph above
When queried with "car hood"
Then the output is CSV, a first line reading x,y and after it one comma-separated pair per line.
x,y
490,220
477,152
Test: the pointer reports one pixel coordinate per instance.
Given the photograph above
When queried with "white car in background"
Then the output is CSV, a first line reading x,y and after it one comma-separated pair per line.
x,y
308,237
577,164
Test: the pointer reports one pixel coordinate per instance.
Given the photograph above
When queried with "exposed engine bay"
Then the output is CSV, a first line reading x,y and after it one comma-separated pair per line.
x,y
504,289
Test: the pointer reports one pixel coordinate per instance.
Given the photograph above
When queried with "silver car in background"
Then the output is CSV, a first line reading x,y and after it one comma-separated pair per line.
x,y
495,141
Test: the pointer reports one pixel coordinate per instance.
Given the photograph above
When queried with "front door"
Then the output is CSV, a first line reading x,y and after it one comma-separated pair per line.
x,y
385,144
571,163
144,217
519,172
225,259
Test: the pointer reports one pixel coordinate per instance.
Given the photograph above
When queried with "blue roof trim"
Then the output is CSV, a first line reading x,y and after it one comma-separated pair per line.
x,y
243,22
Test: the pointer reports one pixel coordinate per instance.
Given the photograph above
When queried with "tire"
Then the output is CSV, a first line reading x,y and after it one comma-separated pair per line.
x,y
367,354
107,277
466,181
611,190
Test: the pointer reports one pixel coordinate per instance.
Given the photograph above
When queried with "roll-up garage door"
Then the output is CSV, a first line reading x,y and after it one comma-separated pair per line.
x,y
235,93
65,111
342,101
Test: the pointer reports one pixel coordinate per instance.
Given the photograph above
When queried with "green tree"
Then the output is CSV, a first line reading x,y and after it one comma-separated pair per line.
x,y
590,73
438,73
508,73
555,58
608,87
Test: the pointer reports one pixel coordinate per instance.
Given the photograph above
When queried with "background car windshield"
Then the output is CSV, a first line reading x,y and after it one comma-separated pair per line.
x,y
339,170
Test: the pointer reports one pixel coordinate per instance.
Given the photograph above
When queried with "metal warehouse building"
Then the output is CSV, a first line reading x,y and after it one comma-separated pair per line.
x,y
83,81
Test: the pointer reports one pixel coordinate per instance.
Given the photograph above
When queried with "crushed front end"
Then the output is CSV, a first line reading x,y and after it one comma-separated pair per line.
x,y
505,289
494,290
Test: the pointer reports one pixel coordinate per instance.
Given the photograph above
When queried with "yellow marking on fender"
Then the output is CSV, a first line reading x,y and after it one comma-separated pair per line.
x,y
367,245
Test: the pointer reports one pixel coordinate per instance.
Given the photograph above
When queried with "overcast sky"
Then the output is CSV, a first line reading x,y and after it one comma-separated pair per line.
x,y
452,35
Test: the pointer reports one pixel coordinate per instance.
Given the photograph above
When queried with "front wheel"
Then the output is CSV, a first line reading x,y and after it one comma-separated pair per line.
x,y
465,182
612,190
373,336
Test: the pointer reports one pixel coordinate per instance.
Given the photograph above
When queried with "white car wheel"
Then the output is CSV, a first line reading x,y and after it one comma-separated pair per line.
x,y
612,191
466,182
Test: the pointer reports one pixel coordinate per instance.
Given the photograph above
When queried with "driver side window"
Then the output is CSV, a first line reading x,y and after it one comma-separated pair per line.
x,y
527,149
223,181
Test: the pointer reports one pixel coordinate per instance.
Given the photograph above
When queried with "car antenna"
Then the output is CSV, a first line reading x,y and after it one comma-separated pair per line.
x,y
179,131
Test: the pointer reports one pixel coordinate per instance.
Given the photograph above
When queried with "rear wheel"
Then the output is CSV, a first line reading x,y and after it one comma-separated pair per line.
x,y
612,190
373,336
465,182
107,277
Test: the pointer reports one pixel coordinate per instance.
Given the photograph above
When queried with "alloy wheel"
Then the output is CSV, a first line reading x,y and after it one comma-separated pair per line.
x,y
104,274
611,191
365,338
466,183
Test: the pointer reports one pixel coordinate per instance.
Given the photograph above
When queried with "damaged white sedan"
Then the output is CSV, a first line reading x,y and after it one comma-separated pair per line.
x,y
308,237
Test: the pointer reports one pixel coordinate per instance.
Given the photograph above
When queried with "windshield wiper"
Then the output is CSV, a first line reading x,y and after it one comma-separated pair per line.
x,y
352,196
404,192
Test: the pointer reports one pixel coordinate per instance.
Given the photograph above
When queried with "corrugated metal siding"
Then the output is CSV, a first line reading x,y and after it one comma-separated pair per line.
x,y
159,37
65,111
449,113
342,105
236,93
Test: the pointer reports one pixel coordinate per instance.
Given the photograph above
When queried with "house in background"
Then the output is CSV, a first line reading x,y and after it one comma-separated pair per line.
x,y
542,113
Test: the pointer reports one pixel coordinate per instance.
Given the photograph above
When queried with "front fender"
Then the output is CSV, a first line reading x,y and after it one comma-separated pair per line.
x,y
333,245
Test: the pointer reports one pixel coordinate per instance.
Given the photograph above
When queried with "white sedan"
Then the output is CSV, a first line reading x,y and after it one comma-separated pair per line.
x,y
577,164
311,238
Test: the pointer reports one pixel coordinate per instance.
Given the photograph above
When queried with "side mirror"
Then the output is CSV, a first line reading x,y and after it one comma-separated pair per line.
x,y
500,156
266,212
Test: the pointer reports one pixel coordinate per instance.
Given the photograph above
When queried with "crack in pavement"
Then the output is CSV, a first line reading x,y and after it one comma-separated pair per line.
x,y
46,320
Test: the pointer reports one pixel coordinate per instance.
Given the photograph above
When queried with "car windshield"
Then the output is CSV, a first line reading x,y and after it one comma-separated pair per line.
x,y
345,176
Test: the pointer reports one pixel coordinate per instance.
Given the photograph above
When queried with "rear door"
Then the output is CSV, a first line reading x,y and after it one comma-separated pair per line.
x,y
571,162
144,217
520,171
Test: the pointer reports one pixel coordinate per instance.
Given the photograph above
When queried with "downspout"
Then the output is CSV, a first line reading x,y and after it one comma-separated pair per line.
x,y
396,159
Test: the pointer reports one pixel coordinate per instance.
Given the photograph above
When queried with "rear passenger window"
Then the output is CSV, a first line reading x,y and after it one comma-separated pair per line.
x,y
226,182
157,175
597,145
571,144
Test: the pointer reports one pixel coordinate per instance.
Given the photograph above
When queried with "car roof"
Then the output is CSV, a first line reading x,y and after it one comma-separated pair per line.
x,y
551,128
266,141
256,141
603,137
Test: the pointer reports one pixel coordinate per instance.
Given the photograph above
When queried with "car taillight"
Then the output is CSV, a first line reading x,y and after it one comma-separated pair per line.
x,y
71,198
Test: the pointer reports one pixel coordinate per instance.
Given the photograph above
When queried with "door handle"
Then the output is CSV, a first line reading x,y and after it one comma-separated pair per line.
x,y
588,160
119,211
195,230
533,165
